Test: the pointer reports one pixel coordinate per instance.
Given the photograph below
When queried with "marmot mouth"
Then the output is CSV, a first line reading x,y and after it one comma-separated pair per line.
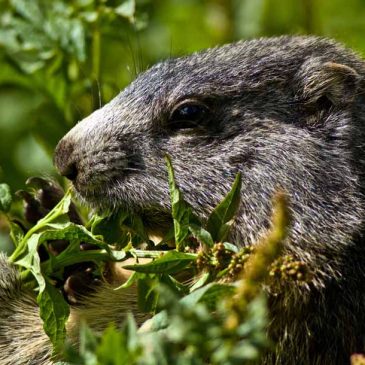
x,y
156,219
115,195
97,196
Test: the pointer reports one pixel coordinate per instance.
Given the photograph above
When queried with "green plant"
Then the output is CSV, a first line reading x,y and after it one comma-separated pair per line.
x,y
210,319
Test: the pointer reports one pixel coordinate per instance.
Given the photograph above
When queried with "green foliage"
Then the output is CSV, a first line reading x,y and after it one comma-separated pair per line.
x,y
52,55
109,227
53,307
195,321
54,312
169,263
221,219
181,211
50,35
185,332
5,198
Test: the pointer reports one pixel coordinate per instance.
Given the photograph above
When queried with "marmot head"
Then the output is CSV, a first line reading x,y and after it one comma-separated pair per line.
x,y
281,110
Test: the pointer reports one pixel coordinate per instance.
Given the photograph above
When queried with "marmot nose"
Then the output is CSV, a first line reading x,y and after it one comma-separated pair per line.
x,y
64,159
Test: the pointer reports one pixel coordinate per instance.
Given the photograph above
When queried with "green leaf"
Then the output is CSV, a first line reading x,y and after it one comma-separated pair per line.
x,y
220,220
29,10
109,227
127,9
16,233
54,312
5,198
170,263
131,280
158,322
147,295
215,293
135,224
120,346
112,349
74,234
175,286
201,235
31,260
58,211
203,279
181,211
88,345
230,247
208,293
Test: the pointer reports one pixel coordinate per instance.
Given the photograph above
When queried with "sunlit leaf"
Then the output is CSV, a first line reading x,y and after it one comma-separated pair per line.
x,y
5,198
220,219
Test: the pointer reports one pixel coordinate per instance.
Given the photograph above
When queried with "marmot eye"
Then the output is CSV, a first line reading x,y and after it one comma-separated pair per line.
x,y
188,115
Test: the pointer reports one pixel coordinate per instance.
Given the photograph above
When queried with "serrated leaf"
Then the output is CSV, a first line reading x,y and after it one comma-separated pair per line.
x,y
221,218
58,211
32,261
120,346
54,312
89,16
75,234
180,209
170,263
141,21
5,198
257,316
71,232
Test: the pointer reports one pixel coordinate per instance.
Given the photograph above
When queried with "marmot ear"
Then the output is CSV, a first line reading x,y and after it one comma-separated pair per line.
x,y
335,83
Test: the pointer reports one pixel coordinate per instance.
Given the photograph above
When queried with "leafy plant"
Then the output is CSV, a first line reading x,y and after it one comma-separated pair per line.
x,y
211,318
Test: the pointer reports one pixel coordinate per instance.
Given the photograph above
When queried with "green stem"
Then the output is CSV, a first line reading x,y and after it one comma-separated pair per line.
x,y
22,244
96,38
147,254
95,71
83,256
51,216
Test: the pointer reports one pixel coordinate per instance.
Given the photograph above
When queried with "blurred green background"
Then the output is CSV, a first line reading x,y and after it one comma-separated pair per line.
x,y
59,60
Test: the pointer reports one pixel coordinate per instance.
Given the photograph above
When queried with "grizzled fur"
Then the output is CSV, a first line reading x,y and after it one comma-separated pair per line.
x,y
288,113
22,339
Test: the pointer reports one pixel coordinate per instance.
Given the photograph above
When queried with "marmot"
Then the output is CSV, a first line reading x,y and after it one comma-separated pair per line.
x,y
288,113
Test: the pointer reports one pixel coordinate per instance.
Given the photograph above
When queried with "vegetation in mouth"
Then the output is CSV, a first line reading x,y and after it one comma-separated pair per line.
x,y
204,296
